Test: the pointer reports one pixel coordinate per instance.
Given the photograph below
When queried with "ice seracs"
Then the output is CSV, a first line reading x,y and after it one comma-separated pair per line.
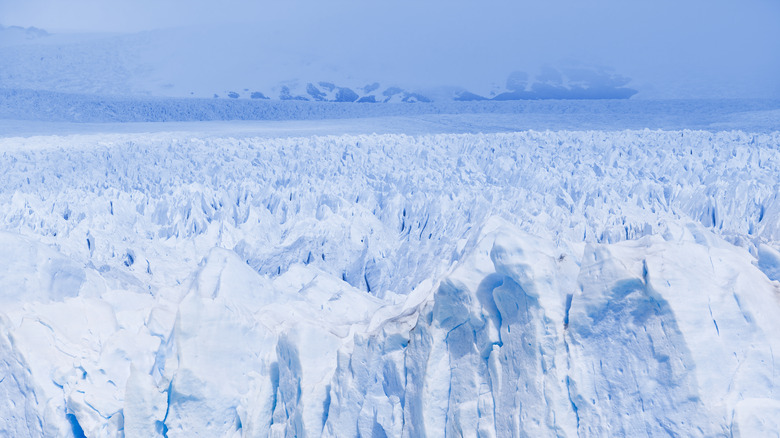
x,y
534,283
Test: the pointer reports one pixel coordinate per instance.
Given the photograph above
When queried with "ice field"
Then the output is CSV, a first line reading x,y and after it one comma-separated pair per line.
x,y
402,219
410,275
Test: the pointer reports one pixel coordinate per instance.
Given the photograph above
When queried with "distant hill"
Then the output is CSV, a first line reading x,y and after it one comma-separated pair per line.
x,y
11,35
244,64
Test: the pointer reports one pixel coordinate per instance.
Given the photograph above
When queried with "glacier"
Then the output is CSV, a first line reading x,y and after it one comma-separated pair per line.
x,y
532,283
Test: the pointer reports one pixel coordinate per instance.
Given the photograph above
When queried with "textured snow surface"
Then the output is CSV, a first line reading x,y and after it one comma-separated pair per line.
x,y
754,115
538,283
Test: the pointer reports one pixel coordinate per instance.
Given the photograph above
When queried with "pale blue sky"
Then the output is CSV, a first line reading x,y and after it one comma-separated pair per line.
x,y
670,48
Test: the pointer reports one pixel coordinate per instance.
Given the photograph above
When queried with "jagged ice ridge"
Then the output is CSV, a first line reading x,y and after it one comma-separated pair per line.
x,y
537,283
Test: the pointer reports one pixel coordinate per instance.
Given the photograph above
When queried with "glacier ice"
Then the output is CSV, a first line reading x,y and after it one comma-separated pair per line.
x,y
594,283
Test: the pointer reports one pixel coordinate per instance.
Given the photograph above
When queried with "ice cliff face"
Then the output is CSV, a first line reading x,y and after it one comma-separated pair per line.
x,y
538,284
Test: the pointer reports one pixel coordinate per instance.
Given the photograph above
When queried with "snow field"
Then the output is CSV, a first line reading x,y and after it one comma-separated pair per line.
x,y
540,283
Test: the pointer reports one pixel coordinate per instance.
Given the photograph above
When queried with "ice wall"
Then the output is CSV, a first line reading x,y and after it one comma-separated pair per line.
x,y
536,283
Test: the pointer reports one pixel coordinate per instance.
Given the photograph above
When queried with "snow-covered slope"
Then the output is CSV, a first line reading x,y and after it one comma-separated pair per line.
x,y
537,283
259,62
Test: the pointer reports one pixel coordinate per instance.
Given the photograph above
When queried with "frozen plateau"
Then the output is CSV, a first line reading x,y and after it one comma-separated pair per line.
x,y
396,276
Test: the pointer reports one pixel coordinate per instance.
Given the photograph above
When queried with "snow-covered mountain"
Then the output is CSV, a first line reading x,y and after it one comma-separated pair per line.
x,y
255,62
570,283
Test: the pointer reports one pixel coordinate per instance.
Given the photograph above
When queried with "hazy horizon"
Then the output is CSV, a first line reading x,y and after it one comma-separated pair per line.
x,y
668,50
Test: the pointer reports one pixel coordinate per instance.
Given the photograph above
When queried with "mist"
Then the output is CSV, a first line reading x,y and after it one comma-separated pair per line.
x,y
664,49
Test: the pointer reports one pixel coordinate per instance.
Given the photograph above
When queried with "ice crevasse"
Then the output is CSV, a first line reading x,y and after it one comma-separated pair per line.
x,y
508,326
